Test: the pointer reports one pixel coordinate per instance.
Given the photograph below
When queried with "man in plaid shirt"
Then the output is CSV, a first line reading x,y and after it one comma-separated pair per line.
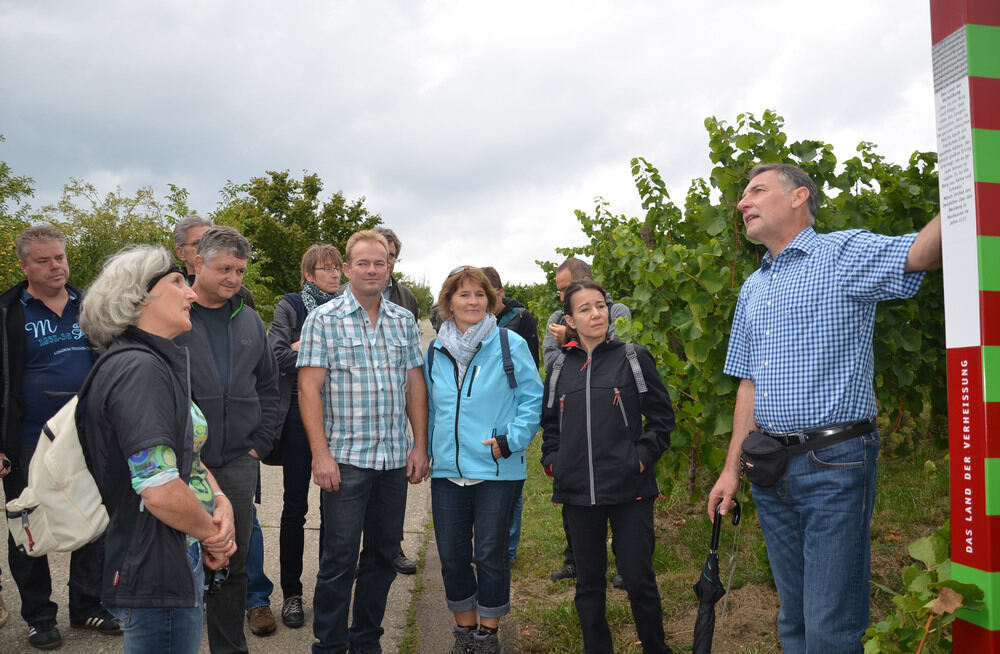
x,y
360,377
801,345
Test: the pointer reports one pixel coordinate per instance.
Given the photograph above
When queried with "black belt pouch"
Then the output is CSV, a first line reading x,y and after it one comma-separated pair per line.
x,y
763,459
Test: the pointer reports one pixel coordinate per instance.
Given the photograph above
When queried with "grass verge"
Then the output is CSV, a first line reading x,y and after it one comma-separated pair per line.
x,y
912,502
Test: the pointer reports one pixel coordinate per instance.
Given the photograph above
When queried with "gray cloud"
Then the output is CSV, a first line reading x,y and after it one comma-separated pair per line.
x,y
475,129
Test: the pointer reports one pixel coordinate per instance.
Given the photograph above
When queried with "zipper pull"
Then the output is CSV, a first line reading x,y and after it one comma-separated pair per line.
x,y
586,363
562,404
27,530
617,398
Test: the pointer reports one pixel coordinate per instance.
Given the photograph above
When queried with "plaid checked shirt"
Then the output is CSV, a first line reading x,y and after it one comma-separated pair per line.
x,y
364,395
803,326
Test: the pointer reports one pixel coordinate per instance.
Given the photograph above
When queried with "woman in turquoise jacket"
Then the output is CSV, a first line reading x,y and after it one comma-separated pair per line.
x,y
485,401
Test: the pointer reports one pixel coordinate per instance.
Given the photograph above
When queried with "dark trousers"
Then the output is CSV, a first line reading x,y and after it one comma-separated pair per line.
x,y
296,470
224,610
632,524
31,574
568,552
372,502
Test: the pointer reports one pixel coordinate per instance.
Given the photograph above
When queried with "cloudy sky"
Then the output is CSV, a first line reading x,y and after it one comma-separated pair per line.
x,y
474,129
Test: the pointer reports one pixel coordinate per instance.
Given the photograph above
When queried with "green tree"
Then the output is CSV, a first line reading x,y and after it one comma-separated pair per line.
x,y
282,216
421,290
14,191
680,272
97,226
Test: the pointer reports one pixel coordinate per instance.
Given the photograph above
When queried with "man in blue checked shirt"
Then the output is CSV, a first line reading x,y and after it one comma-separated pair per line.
x,y
360,377
801,345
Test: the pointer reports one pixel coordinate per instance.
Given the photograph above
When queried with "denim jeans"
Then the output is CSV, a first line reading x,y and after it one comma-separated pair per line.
x,y
514,533
296,464
371,502
632,524
225,610
259,587
471,524
163,630
817,523
31,574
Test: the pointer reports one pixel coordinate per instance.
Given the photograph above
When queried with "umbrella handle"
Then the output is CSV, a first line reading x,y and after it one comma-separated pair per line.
x,y
736,512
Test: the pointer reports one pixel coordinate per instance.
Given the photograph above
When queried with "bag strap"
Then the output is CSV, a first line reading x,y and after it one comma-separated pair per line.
x,y
295,299
508,363
430,357
633,361
557,366
507,316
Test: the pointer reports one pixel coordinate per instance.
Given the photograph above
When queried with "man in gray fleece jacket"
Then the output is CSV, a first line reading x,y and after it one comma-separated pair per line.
x,y
234,382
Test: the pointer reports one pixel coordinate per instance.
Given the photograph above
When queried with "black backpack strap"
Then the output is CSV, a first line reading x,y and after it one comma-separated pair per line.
x,y
557,366
508,363
430,358
85,386
633,361
506,317
295,299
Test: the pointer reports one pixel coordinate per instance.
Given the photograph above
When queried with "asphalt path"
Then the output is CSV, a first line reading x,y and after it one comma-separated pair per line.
x,y
433,624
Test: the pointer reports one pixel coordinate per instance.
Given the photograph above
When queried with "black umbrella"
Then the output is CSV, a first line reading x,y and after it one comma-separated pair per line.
x,y
709,588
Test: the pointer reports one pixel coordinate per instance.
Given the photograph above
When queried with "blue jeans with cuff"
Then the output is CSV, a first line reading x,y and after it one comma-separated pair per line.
x,y
480,514
817,526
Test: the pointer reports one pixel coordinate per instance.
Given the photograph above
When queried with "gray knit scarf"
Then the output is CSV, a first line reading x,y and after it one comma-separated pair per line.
x,y
464,346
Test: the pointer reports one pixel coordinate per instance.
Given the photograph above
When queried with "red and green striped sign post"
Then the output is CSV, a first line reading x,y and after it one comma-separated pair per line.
x,y
966,55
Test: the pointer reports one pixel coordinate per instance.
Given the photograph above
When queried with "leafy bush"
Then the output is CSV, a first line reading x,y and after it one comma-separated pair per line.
x,y
680,272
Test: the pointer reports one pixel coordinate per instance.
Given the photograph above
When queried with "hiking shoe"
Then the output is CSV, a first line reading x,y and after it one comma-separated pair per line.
x,y
618,581
261,620
483,643
568,571
44,635
403,565
291,612
101,621
463,640
4,613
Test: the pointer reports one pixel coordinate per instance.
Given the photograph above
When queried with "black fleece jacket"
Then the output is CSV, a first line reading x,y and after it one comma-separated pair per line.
x,y
600,427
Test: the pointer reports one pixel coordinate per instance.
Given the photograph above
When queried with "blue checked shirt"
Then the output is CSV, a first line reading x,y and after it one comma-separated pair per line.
x,y
364,395
802,331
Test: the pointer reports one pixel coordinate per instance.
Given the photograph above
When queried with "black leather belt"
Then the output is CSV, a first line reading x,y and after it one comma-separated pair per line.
x,y
841,431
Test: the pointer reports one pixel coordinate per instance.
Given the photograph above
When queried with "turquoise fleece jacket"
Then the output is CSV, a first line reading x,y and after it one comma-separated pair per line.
x,y
464,413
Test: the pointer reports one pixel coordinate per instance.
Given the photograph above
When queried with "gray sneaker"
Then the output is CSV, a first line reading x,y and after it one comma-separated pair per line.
x,y
463,640
486,644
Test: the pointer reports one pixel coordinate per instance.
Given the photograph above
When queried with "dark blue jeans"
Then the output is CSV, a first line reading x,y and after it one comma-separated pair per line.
x,y
471,525
296,470
165,630
31,574
817,525
371,502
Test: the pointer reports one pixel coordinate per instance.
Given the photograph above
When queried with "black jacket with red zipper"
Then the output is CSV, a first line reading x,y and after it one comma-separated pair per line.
x,y
600,427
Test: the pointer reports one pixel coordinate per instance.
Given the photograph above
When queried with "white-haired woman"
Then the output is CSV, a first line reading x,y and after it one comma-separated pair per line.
x,y
143,435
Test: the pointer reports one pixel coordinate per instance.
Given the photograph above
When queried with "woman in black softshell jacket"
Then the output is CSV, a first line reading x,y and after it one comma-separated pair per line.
x,y
603,433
